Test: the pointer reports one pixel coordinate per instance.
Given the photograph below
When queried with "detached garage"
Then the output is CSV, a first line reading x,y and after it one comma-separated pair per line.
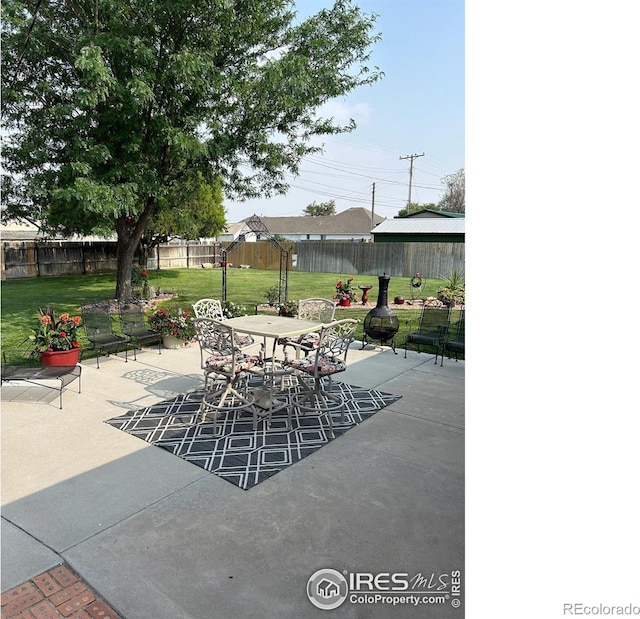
x,y
420,230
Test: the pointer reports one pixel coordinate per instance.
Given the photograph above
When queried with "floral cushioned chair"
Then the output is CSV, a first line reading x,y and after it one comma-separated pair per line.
x,y
212,308
315,308
220,355
329,358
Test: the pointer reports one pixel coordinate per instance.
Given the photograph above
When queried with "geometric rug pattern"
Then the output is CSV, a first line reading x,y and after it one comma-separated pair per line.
x,y
239,454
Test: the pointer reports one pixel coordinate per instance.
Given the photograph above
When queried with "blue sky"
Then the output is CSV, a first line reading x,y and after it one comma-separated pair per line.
x,y
417,107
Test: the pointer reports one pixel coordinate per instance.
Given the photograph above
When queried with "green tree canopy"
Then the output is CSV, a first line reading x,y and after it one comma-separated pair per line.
x,y
414,207
318,210
110,106
190,210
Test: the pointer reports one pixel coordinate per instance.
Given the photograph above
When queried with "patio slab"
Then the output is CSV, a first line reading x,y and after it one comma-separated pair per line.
x,y
23,556
361,503
159,537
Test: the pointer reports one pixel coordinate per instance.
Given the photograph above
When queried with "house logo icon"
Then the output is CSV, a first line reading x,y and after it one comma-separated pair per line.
x,y
327,589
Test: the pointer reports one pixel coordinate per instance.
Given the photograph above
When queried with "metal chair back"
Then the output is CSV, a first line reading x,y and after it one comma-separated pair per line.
x,y
455,341
208,308
432,329
99,329
317,309
134,324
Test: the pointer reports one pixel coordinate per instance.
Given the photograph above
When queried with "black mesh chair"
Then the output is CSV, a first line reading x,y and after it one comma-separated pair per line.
x,y
133,324
99,328
431,331
454,344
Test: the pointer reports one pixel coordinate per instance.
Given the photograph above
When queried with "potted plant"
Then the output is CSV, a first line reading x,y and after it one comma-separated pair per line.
x,y
56,341
233,310
272,295
344,292
452,293
288,308
177,330
140,282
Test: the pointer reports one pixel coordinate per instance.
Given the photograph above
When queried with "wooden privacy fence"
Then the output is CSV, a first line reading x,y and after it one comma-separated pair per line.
x,y
397,259
29,259
184,256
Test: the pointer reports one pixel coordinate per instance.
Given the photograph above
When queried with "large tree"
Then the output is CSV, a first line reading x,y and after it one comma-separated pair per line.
x,y
111,105
190,210
453,198
320,210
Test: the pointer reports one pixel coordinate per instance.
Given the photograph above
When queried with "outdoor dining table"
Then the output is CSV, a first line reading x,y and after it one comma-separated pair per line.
x,y
274,327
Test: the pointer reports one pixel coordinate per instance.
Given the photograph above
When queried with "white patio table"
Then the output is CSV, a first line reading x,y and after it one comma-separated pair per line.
x,y
274,327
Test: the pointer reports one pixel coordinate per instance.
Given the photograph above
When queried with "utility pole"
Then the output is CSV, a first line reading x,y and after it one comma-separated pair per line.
x,y
411,158
373,202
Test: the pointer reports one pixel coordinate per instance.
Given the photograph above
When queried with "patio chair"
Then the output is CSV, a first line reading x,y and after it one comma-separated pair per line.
x,y
221,357
431,331
99,328
212,308
315,308
134,325
23,366
208,308
455,344
328,358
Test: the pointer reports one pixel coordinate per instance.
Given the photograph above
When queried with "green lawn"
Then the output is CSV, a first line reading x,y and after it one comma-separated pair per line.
x,y
22,298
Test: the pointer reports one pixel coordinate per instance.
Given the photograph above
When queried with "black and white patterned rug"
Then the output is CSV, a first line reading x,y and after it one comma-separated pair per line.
x,y
239,454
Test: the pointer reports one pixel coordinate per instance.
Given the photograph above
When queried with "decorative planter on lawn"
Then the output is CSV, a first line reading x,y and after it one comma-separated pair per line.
x,y
344,302
60,357
172,342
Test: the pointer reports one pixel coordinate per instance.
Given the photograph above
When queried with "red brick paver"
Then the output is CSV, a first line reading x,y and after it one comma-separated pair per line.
x,y
55,594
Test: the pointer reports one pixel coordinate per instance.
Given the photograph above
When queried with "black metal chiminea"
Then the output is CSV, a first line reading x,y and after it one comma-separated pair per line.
x,y
381,323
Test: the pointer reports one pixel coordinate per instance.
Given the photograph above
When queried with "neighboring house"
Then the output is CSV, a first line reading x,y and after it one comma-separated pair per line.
x,y
20,232
420,230
354,224
237,232
15,233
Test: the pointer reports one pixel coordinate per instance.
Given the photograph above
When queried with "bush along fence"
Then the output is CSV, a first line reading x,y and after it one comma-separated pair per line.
x,y
22,259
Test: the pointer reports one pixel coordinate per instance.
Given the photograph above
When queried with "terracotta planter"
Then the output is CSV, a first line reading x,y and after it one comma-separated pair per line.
x,y
60,357
344,302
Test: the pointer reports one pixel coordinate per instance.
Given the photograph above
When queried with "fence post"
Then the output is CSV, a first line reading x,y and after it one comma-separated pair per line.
x,y
37,253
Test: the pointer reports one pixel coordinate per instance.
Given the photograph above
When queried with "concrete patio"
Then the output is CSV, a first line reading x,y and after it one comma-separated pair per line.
x,y
159,537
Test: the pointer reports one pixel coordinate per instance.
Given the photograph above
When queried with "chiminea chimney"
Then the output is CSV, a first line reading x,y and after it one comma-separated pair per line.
x,y
381,323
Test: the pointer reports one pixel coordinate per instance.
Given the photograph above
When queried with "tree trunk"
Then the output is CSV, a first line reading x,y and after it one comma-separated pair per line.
x,y
126,251
129,233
